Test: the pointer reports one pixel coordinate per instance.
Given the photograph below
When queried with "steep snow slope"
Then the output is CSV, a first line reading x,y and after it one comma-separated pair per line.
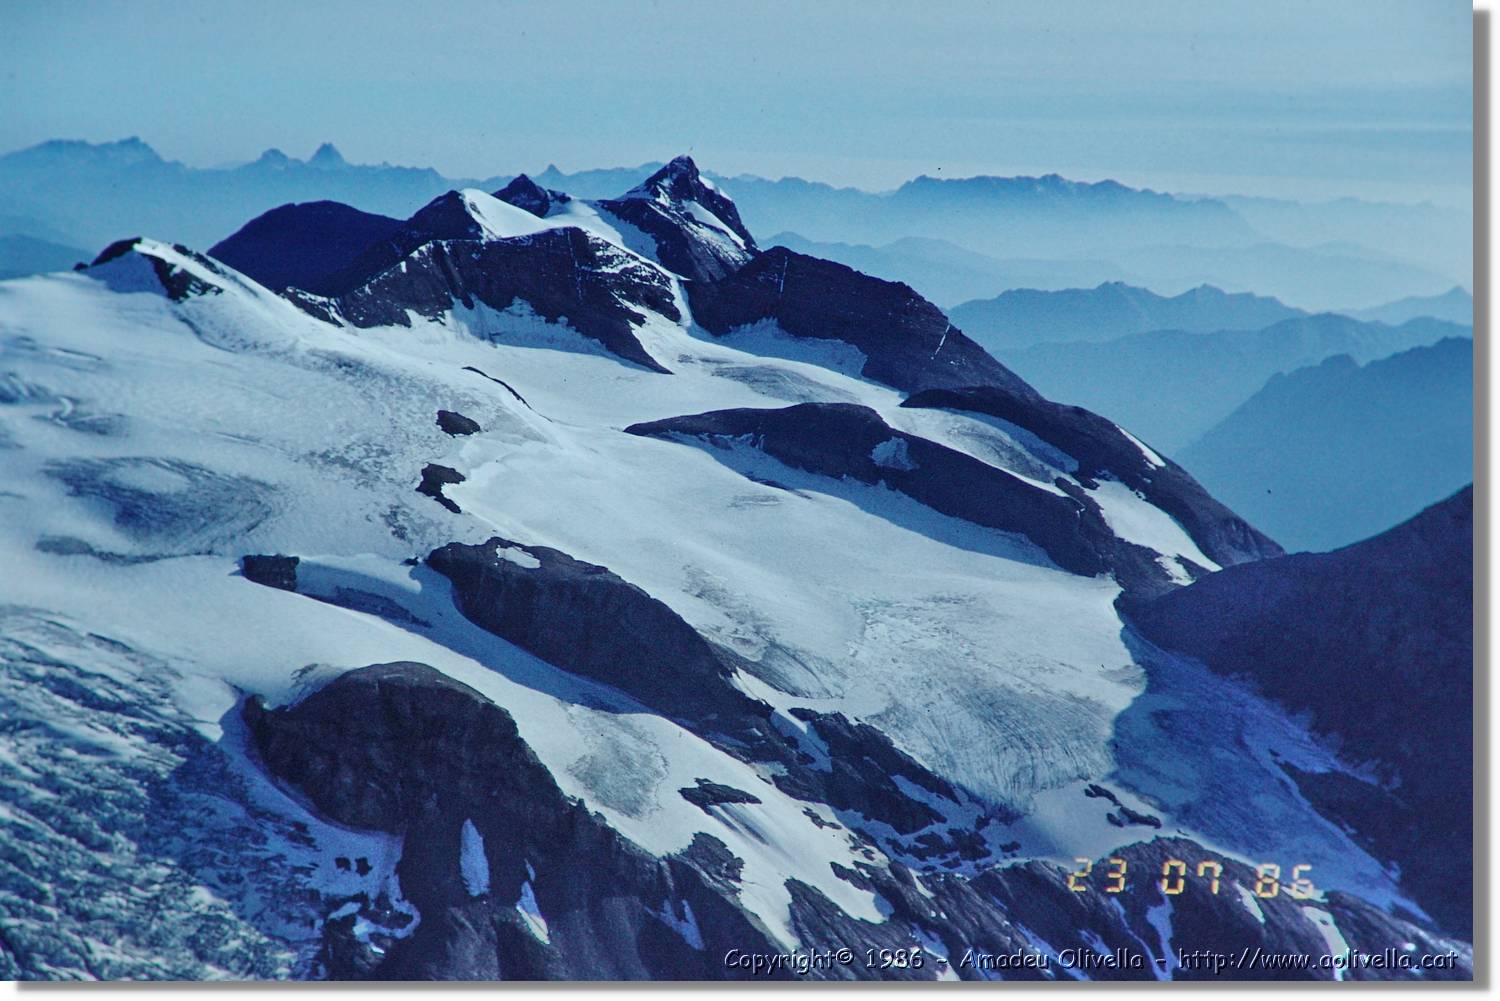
x,y
164,416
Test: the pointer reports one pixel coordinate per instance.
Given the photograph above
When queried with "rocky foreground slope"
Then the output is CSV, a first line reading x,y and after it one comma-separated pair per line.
x,y
1362,638
569,589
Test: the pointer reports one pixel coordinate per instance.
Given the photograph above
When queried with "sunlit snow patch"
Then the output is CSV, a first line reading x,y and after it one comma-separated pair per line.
x,y
531,913
473,864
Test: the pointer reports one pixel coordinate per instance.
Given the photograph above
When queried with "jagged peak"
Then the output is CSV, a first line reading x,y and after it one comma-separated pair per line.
x,y
327,156
680,182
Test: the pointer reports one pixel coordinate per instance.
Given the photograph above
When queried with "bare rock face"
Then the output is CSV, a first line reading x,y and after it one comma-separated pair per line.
x,y
442,259
301,245
864,765
272,571
1362,638
1100,447
178,284
434,478
455,424
586,619
404,749
907,342
559,273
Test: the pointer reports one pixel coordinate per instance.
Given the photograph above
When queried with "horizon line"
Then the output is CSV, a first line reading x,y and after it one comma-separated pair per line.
x,y
1181,194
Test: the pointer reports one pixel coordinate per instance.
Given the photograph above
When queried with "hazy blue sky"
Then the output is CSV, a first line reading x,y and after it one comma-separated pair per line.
x,y
1364,97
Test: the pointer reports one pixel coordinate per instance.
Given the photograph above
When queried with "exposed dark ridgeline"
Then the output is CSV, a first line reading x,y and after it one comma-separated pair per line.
x,y
404,749
662,207
907,342
838,440
524,193
1102,448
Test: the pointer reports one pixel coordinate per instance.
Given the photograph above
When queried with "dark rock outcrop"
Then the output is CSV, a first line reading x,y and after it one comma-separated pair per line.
x,y
907,341
663,207
434,478
585,619
404,749
524,193
455,424
704,794
447,217
272,571
1122,815
1101,448
1375,641
300,245
839,440
863,765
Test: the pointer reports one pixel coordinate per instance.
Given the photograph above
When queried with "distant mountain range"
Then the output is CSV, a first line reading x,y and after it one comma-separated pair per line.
x,y
1319,277
29,255
1336,452
92,193
1022,317
1455,305
1439,238
1170,386
1068,232
949,274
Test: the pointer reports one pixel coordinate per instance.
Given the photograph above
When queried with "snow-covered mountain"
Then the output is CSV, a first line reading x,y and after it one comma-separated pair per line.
x,y
572,589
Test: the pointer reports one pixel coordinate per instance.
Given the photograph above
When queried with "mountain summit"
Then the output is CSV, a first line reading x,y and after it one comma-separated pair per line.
x,y
680,183
327,157
696,227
